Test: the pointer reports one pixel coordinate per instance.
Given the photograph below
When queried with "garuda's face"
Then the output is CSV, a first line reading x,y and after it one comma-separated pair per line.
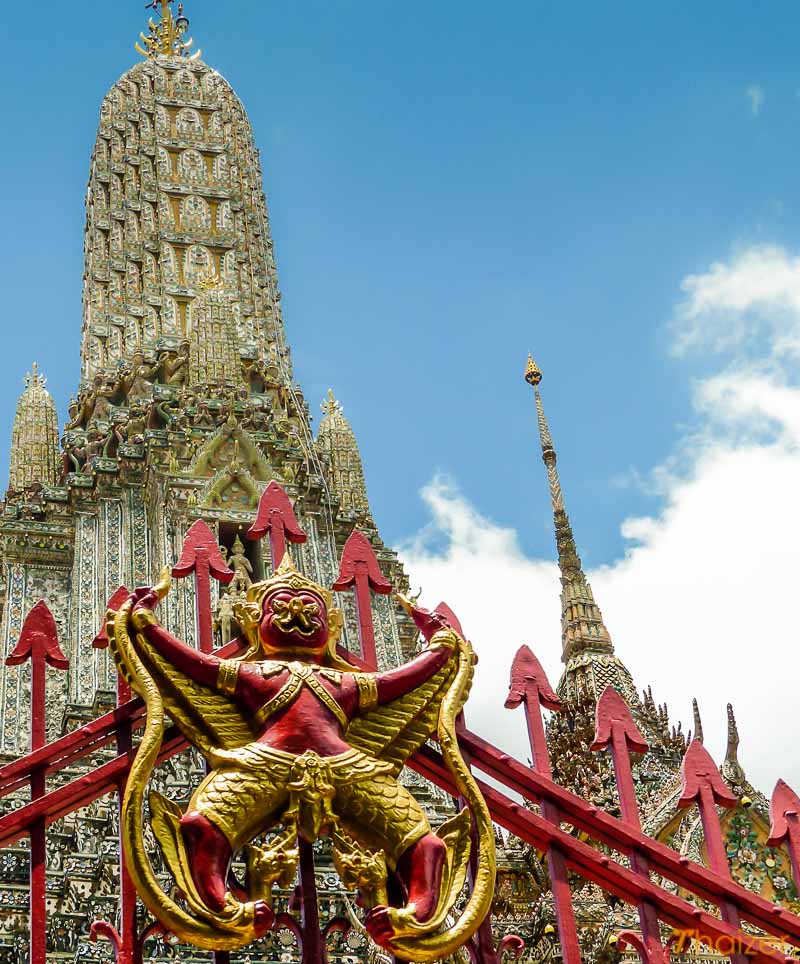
x,y
294,620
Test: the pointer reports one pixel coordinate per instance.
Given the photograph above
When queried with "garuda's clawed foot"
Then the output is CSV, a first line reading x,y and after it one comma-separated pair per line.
x,y
385,924
381,924
263,917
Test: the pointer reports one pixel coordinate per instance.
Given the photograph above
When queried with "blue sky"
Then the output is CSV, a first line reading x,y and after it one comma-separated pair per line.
x,y
450,185
613,186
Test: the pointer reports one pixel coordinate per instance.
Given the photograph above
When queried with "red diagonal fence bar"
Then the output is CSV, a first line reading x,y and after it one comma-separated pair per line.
x,y
614,877
550,830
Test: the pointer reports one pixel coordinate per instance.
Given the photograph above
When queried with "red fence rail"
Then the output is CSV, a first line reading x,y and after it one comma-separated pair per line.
x,y
634,877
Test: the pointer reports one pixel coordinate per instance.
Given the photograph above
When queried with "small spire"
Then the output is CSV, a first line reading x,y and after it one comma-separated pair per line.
x,y
698,723
34,438
167,38
34,378
582,626
732,751
336,441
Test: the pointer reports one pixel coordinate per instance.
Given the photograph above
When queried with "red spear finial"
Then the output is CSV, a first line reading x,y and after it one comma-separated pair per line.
x,y
699,772
703,782
359,570
358,559
202,557
614,722
39,640
276,517
526,674
101,639
784,813
201,543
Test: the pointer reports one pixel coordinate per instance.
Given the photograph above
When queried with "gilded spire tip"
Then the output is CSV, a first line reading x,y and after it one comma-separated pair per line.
x,y
533,374
34,378
331,406
168,38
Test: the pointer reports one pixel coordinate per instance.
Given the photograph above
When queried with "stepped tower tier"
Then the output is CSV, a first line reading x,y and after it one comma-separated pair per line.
x,y
34,440
175,197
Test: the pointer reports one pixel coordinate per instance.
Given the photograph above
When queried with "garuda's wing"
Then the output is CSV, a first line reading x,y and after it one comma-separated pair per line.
x,y
208,719
395,732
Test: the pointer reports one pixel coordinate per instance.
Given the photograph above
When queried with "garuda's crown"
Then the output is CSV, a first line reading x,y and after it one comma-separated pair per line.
x,y
286,576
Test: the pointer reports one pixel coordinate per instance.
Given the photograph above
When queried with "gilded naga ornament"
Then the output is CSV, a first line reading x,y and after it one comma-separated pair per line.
x,y
298,742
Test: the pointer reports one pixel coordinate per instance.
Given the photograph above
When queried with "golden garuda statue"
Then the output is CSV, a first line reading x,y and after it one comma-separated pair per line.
x,y
298,742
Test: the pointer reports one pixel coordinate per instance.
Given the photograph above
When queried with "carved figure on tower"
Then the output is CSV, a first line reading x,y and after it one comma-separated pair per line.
x,y
241,566
137,381
299,742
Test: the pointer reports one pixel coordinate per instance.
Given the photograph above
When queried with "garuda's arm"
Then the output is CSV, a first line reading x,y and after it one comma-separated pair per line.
x,y
190,685
200,667
397,682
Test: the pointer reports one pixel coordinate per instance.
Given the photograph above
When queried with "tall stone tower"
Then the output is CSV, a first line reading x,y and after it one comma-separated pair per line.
x,y
185,409
186,406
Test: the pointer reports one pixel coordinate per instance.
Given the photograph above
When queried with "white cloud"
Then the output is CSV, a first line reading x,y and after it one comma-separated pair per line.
x,y
750,301
756,97
502,598
704,601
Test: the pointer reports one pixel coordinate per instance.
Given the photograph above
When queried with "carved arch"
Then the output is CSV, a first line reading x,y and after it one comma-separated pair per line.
x,y
233,489
228,446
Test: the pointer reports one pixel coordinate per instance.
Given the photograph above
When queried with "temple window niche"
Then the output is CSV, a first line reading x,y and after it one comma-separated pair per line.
x,y
188,123
196,214
186,82
198,263
233,540
246,560
192,167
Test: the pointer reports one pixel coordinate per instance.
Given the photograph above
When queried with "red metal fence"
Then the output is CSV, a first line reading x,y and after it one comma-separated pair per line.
x,y
622,860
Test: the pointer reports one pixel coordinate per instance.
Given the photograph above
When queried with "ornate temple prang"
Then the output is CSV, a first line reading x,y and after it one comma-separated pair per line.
x,y
582,626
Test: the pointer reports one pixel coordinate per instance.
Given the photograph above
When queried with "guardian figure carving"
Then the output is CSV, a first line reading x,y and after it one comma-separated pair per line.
x,y
299,742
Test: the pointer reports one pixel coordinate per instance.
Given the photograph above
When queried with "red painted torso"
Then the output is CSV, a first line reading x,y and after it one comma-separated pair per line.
x,y
306,723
